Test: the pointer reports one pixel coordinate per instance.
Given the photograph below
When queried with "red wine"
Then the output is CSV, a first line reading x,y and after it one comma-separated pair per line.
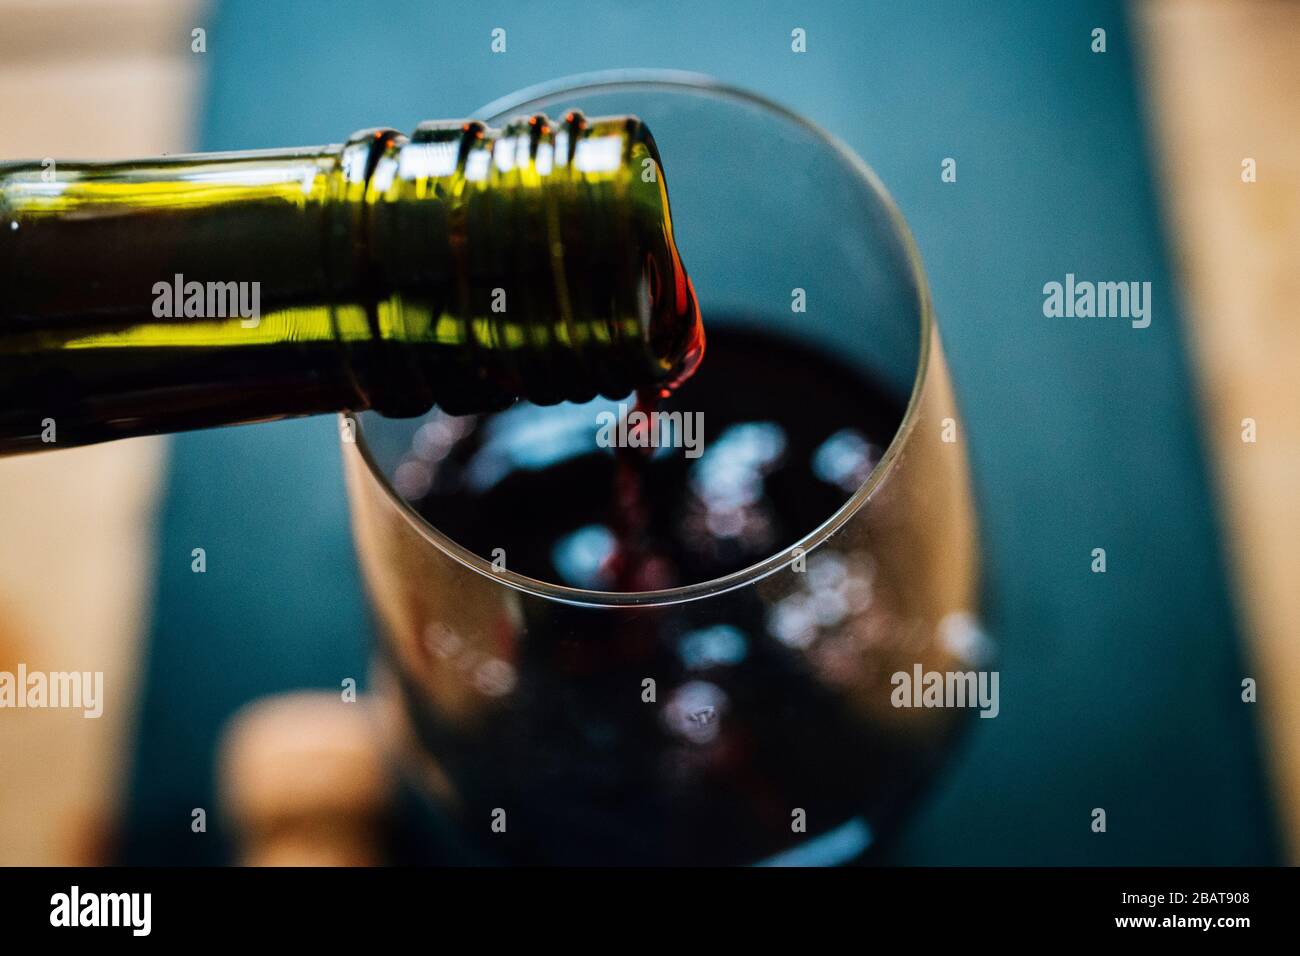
x,y
778,437
748,724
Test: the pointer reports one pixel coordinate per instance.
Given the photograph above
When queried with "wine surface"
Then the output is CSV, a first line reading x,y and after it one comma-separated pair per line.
x,y
765,443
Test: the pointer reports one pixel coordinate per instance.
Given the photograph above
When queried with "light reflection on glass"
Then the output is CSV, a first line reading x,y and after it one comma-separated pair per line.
x,y
844,843
715,646
965,639
845,459
581,558
730,472
695,711
533,438
833,590
599,154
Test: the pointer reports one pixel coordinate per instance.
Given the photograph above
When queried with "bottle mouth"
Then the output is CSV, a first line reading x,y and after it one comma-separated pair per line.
x,y
676,329
677,336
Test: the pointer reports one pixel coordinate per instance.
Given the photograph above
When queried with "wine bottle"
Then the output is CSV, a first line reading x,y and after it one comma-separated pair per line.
x,y
462,266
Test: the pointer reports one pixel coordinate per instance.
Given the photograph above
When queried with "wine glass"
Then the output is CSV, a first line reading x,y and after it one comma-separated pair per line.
x,y
752,718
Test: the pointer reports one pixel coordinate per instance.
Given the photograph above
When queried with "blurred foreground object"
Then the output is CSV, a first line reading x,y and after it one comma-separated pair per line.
x,y
1224,79
303,780
99,79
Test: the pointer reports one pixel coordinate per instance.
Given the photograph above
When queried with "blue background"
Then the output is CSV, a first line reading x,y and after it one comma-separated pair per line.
x,y
1118,690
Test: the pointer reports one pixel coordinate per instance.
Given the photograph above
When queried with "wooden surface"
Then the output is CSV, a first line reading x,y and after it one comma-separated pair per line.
x,y
90,79
1223,86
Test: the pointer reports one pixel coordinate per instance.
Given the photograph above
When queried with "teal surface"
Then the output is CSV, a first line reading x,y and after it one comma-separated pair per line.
x,y
1118,690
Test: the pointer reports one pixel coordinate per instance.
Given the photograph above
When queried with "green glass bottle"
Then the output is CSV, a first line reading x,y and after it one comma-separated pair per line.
x,y
462,266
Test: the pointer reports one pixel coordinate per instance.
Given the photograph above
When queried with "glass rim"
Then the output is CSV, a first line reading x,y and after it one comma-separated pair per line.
x,y
642,80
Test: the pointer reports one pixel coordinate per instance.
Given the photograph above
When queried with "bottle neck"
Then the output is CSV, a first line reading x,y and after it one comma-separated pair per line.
x,y
168,294
462,266
534,261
